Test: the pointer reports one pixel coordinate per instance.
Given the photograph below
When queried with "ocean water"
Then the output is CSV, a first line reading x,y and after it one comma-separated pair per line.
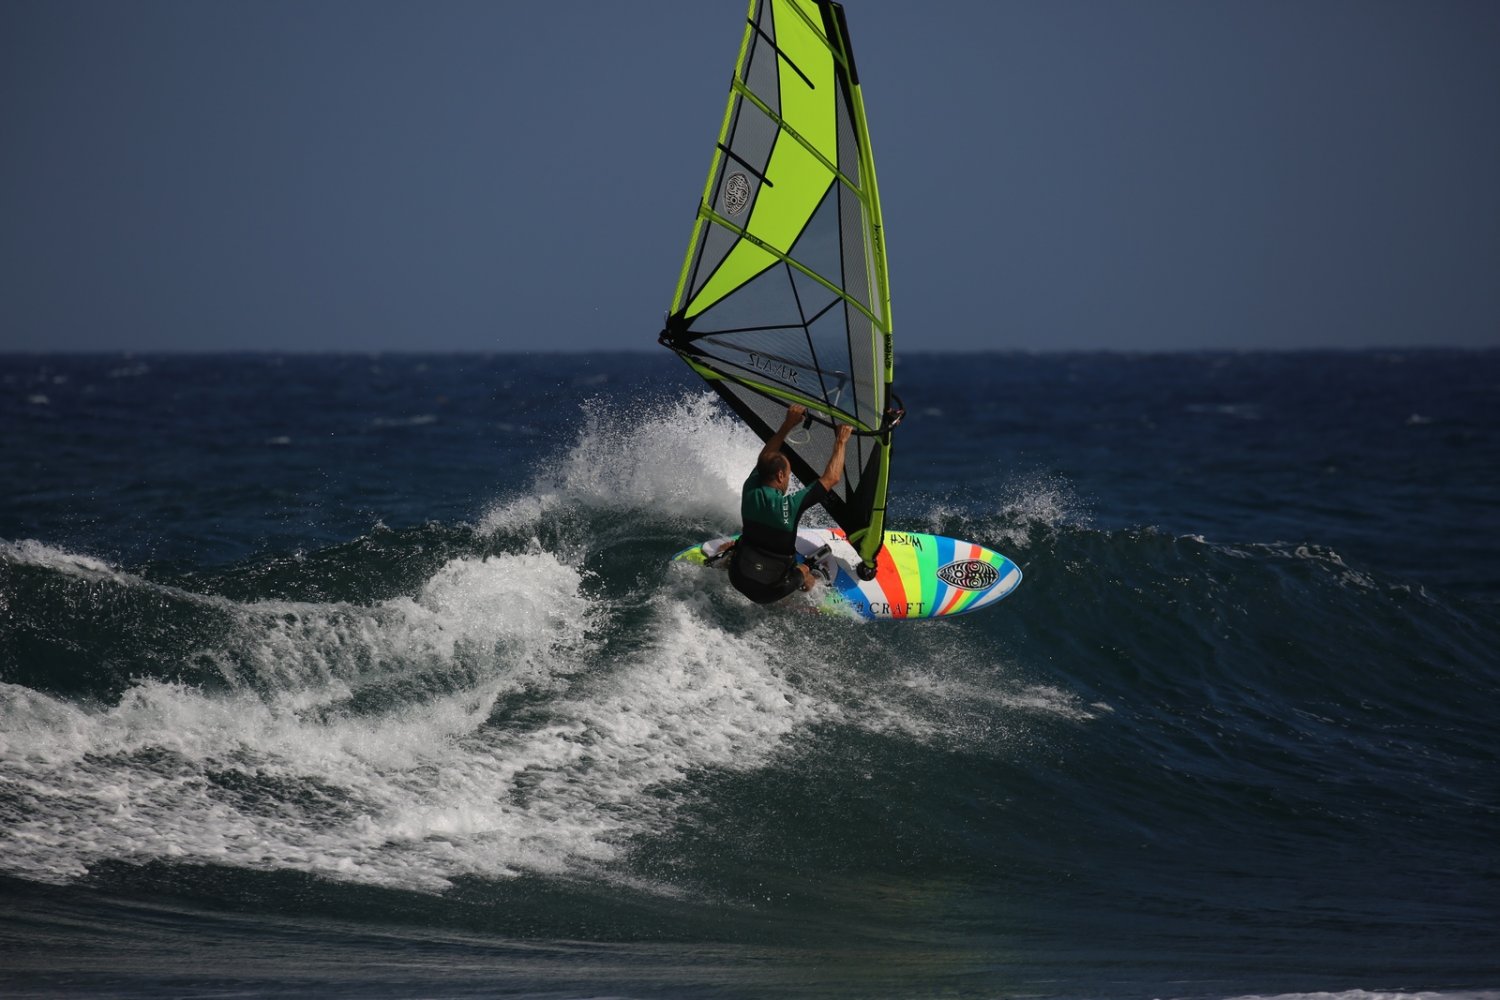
x,y
367,676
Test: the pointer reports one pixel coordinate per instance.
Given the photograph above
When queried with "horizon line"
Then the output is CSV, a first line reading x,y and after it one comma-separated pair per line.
x,y
586,352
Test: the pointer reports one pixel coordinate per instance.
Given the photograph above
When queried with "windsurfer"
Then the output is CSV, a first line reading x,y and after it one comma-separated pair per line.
x,y
764,565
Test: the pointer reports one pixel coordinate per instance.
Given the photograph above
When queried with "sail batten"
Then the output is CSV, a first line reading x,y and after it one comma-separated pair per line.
x,y
750,96
783,294
712,217
819,31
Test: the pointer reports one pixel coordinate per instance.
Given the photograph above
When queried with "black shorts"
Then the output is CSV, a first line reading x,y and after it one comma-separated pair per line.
x,y
757,579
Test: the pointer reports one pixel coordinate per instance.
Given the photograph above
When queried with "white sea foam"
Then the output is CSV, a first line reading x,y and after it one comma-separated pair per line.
x,y
942,691
420,420
686,456
1027,503
422,789
1316,555
30,552
1044,499
469,609
933,704
1240,411
1381,995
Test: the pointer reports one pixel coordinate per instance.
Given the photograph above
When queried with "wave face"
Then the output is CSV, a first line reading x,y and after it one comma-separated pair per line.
x,y
335,659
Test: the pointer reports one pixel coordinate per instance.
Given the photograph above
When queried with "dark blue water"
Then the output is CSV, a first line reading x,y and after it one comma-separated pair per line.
x,y
368,676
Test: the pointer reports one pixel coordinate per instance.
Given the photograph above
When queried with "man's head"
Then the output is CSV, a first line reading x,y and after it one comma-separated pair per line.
x,y
775,472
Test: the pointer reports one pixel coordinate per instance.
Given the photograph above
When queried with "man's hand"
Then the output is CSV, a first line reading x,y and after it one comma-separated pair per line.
x,y
835,470
794,415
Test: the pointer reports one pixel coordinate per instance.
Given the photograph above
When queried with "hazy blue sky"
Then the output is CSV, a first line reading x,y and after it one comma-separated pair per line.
x,y
378,175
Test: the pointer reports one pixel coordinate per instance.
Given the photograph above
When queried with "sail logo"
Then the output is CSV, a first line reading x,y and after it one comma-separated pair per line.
x,y
736,193
969,574
770,366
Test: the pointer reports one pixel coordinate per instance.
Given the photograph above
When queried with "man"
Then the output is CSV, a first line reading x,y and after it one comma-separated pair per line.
x,y
764,565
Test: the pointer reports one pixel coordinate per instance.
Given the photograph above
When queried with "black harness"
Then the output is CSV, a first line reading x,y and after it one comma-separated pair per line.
x,y
759,566
764,554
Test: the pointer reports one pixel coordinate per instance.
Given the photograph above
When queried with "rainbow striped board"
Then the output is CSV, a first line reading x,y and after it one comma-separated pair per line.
x,y
919,575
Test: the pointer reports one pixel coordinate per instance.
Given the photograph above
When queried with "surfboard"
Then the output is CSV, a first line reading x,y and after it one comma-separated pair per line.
x,y
922,576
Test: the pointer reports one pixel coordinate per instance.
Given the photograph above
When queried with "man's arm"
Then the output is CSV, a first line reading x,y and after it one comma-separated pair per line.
x,y
794,415
835,470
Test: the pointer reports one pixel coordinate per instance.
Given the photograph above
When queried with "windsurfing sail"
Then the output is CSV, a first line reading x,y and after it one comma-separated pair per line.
x,y
784,296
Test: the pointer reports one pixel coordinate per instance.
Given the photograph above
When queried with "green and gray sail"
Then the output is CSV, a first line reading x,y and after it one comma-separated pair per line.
x,y
784,297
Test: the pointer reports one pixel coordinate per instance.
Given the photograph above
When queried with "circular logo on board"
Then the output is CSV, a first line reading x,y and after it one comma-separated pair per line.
x,y
969,574
736,193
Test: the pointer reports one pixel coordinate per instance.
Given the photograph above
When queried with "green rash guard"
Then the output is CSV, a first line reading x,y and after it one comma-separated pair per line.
x,y
771,516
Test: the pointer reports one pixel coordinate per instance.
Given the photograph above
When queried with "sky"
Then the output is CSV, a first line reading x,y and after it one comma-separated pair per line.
x,y
335,175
